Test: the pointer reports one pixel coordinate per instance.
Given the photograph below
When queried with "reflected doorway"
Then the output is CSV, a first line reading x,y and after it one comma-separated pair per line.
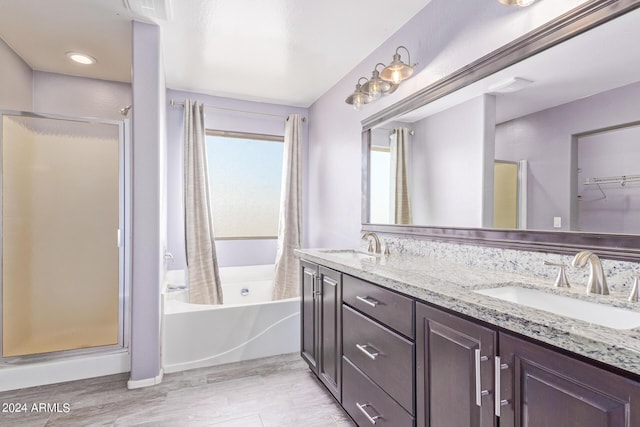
x,y
509,194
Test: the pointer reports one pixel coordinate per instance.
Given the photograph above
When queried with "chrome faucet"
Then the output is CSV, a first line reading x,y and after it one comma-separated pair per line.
x,y
597,282
374,242
633,297
561,278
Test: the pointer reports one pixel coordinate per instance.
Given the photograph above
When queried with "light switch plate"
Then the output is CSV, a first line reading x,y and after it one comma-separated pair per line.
x,y
557,222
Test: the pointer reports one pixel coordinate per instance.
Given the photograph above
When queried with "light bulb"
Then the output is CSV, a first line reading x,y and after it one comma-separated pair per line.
x,y
374,91
395,77
356,106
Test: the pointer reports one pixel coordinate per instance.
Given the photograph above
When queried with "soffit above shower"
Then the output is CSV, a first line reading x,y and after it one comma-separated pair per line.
x,y
41,32
280,51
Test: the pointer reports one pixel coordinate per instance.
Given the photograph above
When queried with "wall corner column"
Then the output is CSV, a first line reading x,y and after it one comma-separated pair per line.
x,y
149,133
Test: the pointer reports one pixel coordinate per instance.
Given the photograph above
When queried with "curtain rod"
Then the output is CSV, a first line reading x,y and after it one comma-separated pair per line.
x,y
411,132
175,103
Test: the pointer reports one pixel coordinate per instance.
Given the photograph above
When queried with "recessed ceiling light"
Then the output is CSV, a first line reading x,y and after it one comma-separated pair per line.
x,y
81,58
521,3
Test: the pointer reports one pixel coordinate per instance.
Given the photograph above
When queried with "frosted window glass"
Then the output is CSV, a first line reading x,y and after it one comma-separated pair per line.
x,y
245,178
380,186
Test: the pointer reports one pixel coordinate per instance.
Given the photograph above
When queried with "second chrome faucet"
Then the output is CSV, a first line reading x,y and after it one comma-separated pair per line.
x,y
597,282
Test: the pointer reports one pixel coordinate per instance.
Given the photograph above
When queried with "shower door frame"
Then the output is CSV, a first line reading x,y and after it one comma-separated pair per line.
x,y
122,240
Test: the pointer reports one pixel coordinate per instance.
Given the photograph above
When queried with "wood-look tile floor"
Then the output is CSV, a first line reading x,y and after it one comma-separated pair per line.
x,y
277,391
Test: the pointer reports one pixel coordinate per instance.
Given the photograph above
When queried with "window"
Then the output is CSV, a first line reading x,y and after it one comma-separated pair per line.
x,y
245,171
380,185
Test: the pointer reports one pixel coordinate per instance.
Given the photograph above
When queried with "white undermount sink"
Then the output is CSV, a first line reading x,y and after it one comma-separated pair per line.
x,y
350,254
592,312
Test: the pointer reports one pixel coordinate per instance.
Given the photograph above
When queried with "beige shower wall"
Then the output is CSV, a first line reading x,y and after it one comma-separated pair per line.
x,y
60,258
16,234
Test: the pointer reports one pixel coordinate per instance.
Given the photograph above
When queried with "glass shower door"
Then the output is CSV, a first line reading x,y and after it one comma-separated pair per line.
x,y
61,219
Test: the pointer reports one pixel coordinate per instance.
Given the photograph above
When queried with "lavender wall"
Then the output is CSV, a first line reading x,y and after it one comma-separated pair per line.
x,y
148,130
545,140
611,153
443,37
79,96
453,157
16,81
230,252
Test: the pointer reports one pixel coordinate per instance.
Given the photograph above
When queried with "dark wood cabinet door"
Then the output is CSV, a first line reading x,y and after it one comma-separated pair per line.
x,y
548,389
381,354
330,319
447,367
308,315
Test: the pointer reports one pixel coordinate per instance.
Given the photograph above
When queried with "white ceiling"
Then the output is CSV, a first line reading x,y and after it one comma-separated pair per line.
x,y
281,51
287,51
42,31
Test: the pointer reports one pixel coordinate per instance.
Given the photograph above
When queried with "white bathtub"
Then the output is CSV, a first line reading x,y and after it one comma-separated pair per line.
x,y
247,326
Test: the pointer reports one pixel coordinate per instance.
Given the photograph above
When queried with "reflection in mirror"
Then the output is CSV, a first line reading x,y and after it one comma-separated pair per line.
x,y
550,143
390,174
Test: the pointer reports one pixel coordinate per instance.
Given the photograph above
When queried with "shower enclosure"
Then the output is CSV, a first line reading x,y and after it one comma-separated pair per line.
x,y
63,237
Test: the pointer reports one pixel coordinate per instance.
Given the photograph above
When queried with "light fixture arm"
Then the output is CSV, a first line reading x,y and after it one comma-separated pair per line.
x,y
408,54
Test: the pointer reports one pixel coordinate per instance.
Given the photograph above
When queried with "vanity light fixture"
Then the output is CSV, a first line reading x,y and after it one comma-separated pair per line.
x,y
521,3
81,58
397,71
376,87
358,97
381,82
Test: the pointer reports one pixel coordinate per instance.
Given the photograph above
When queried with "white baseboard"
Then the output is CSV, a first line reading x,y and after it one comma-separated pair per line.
x,y
147,382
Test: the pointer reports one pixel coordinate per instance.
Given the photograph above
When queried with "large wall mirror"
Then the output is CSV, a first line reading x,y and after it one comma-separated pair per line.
x,y
543,151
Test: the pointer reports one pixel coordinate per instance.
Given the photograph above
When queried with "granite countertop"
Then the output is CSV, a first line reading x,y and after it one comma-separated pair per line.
x,y
451,286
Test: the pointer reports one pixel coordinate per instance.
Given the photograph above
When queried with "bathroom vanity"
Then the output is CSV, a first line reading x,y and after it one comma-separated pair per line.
x,y
402,340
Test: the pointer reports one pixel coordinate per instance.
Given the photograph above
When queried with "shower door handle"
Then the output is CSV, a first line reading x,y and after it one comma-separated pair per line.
x,y
119,238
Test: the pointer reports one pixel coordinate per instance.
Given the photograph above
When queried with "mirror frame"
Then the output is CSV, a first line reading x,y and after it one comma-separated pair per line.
x,y
576,21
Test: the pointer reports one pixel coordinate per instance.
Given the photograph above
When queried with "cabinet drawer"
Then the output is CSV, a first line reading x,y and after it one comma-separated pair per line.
x,y
394,310
365,401
386,357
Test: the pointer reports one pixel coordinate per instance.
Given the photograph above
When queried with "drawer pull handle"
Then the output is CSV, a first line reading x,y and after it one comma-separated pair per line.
x,y
479,391
362,407
499,366
368,300
371,355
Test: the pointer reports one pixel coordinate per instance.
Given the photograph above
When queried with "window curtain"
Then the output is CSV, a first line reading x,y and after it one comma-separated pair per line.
x,y
400,176
202,264
286,282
